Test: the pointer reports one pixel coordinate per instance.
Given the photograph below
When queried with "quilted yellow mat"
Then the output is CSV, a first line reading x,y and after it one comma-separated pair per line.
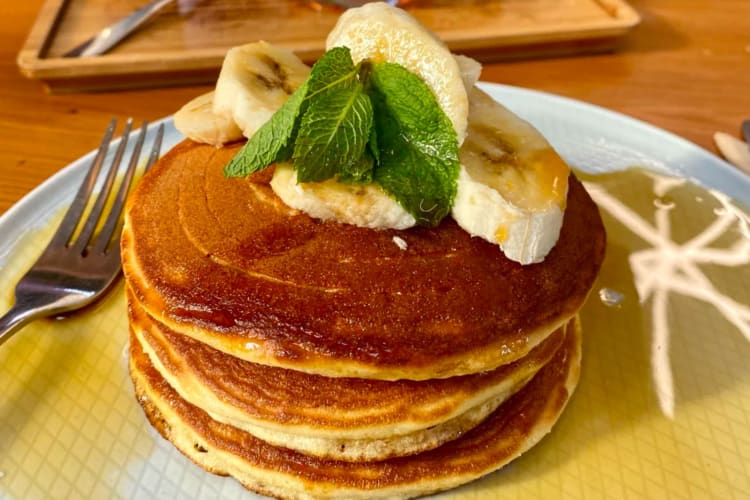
x,y
662,409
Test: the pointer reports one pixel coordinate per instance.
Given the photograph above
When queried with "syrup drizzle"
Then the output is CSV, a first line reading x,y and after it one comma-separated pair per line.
x,y
674,256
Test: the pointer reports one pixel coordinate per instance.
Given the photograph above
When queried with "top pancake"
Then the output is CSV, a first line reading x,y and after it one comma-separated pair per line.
x,y
226,262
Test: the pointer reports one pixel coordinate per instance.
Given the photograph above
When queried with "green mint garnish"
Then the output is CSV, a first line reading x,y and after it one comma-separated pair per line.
x,y
372,144
360,172
418,147
273,142
332,70
363,123
334,129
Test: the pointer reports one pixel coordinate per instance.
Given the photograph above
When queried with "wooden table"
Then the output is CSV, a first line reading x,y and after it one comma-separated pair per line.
x,y
686,69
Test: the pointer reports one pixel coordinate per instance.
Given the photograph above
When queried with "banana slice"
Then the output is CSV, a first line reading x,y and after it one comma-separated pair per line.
x,y
470,70
197,121
361,205
379,32
512,185
255,80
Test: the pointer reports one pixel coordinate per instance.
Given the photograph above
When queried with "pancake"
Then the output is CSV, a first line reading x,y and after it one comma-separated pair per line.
x,y
514,427
342,418
226,262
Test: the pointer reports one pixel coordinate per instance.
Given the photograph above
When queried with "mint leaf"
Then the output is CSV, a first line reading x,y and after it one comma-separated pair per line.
x,y
372,144
335,127
418,162
272,142
333,133
361,172
334,68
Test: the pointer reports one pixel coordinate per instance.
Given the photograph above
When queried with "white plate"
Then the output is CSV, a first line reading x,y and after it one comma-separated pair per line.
x,y
70,427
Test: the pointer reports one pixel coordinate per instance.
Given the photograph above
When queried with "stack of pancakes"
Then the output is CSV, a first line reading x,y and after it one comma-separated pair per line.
x,y
317,359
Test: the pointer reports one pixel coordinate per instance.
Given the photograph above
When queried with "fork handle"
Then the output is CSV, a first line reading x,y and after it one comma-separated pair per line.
x,y
12,321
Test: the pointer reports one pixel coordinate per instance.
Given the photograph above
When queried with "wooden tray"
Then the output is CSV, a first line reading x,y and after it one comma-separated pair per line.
x,y
186,43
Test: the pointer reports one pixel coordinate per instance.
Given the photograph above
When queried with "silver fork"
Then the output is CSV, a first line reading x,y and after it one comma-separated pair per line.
x,y
77,267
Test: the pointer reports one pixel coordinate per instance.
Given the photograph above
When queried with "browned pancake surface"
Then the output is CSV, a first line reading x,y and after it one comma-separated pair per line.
x,y
341,406
514,427
225,261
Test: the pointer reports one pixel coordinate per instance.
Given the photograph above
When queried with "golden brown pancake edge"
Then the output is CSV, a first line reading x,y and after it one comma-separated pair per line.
x,y
513,428
342,418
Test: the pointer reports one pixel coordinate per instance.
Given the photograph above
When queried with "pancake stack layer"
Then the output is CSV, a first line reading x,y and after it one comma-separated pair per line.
x,y
313,359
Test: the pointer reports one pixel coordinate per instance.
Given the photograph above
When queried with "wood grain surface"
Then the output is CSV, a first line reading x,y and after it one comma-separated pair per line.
x,y
685,68
188,39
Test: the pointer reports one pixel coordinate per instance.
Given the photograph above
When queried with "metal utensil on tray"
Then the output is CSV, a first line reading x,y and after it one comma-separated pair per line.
x,y
83,258
114,33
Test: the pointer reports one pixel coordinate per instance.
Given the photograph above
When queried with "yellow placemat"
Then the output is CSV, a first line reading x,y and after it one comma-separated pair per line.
x,y
662,409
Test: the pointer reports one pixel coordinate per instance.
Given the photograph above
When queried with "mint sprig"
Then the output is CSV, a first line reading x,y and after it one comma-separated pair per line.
x,y
418,163
334,129
363,123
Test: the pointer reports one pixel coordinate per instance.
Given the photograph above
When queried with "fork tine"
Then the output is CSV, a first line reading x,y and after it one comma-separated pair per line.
x,y
80,244
73,215
156,148
113,219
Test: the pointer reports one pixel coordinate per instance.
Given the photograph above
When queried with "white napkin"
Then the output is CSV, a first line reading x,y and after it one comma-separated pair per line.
x,y
736,151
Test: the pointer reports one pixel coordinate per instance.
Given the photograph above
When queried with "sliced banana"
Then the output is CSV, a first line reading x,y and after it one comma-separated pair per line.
x,y
255,80
197,121
379,32
361,205
470,70
512,185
